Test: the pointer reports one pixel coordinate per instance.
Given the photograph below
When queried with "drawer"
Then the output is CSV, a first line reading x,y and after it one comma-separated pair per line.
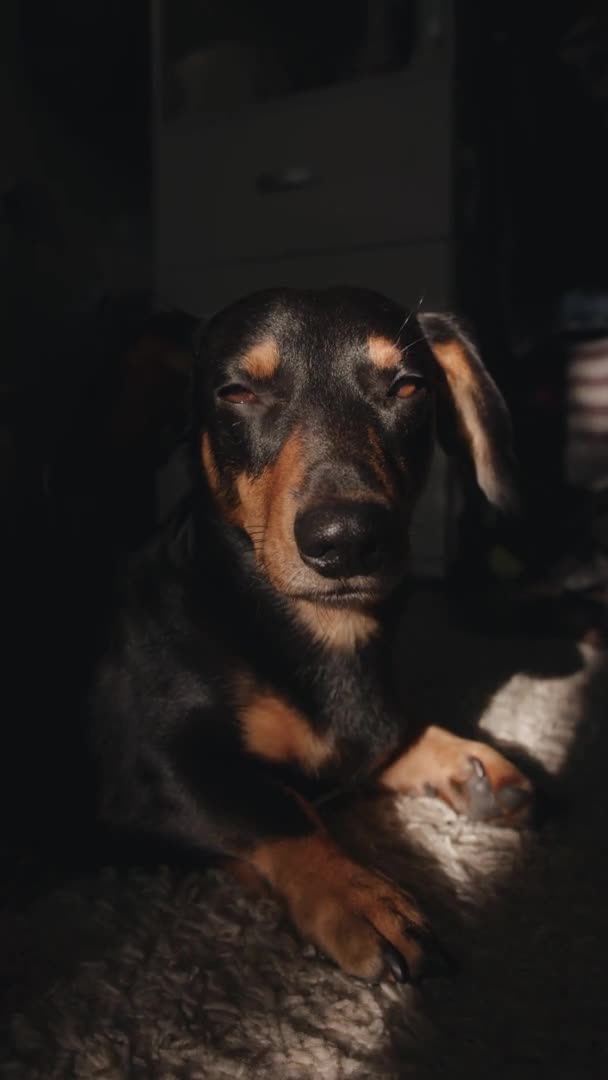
x,y
408,273
322,172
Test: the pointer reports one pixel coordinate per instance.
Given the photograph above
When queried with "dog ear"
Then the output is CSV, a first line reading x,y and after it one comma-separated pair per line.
x,y
472,418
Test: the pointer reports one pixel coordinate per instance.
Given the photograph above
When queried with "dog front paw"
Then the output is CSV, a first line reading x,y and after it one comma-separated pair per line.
x,y
365,923
471,777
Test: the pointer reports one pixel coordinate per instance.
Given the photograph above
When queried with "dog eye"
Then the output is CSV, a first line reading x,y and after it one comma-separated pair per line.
x,y
406,387
238,395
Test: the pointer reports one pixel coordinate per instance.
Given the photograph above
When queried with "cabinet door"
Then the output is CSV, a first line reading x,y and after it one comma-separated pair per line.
x,y
342,170
268,145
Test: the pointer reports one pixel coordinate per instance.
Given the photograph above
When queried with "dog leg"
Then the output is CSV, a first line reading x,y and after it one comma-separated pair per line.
x,y
364,922
359,918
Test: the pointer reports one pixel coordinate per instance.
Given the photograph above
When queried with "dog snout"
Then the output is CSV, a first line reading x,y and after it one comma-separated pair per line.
x,y
346,539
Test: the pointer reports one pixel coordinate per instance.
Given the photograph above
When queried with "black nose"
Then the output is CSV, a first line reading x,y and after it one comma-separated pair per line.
x,y
345,539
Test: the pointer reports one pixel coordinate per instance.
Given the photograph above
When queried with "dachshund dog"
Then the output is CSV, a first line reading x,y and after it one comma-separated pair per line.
x,y
249,668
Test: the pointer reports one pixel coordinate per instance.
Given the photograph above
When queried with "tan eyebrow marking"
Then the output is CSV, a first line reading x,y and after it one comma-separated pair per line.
x,y
383,353
262,360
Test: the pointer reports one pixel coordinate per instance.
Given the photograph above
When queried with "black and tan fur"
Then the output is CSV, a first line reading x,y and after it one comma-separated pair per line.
x,y
250,665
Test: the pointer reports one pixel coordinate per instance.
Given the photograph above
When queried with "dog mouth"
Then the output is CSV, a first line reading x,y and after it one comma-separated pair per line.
x,y
347,601
350,593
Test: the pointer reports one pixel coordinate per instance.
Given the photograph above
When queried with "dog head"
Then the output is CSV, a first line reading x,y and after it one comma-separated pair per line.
x,y
316,416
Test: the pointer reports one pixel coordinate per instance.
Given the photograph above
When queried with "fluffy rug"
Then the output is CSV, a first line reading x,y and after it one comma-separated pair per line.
x,y
169,975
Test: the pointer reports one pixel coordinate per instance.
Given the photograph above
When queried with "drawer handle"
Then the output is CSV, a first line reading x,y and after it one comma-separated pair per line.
x,y
291,178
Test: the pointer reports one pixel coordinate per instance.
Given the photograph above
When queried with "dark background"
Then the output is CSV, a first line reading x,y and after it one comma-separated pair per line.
x,y
77,226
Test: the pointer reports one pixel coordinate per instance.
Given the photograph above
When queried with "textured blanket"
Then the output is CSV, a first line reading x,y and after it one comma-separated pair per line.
x,y
168,975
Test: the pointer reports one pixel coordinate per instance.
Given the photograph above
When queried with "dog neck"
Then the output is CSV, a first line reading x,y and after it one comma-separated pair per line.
x,y
335,664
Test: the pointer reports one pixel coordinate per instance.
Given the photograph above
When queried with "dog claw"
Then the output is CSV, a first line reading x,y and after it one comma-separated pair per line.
x,y
497,806
481,803
310,951
478,769
396,964
437,963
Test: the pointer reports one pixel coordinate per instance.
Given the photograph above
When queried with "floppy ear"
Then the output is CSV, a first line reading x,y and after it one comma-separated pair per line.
x,y
472,419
